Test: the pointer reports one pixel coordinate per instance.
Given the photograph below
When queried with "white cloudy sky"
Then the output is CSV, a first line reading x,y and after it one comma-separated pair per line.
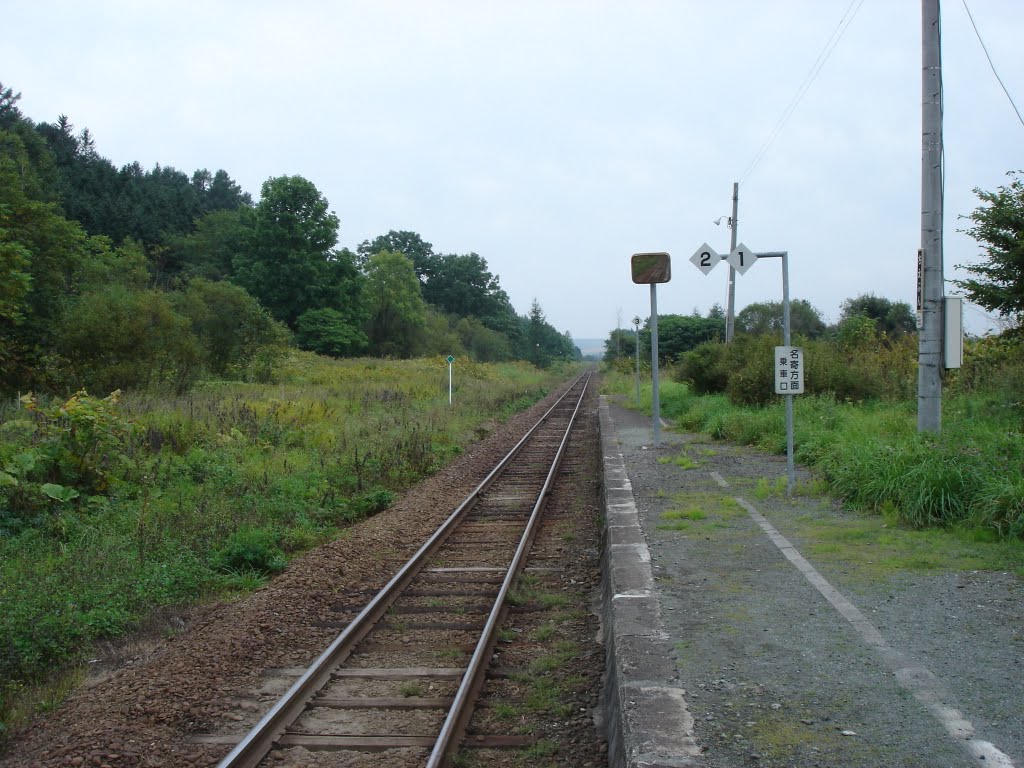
x,y
557,137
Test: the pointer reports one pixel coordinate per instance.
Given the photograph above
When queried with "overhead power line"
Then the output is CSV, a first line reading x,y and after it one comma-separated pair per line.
x,y
993,66
812,73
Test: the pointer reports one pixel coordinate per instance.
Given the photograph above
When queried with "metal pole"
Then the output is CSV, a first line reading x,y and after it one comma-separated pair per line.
x,y
655,396
929,354
730,312
636,326
449,383
787,341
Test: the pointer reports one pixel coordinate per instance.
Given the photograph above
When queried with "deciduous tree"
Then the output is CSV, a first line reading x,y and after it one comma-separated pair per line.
x,y
409,244
229,324
463,285
288,264
396,308
998,226
329,332
892,318
766,317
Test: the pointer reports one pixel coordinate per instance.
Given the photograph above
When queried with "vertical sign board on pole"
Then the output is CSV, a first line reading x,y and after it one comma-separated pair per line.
x,y
651,269
789,371
920,289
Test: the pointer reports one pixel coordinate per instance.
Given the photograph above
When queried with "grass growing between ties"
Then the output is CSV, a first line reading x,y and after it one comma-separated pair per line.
x,y
112,507
545,676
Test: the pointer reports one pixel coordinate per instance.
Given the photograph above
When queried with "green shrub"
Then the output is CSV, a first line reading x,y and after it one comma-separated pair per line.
x,y
373,502
329,332
752,381
229,324
119,338
868,366
251,549
994,365
703,368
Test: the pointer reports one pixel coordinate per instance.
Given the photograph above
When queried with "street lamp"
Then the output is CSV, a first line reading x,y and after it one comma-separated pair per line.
x,y
636,322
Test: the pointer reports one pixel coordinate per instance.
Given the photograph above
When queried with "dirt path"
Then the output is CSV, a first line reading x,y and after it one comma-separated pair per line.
x,y
801,637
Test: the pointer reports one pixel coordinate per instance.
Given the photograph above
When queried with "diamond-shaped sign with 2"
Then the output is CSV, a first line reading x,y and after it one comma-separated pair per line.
x,y
741,258
705,259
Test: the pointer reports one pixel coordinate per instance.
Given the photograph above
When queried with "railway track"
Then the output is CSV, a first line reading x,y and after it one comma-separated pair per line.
x,y
405,672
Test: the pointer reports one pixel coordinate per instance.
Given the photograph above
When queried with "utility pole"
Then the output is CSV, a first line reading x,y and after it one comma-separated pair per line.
x,y
929,354
730,312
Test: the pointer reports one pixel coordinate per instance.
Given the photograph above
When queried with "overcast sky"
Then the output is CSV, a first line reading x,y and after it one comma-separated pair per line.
x,y
557,137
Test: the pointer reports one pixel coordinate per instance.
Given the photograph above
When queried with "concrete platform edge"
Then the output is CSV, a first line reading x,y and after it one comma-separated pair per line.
x,y
646,718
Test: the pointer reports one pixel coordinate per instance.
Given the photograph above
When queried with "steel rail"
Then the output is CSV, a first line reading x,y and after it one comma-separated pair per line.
x,y
455,724
255,745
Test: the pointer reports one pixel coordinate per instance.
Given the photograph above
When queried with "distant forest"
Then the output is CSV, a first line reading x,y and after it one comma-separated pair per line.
x,y
127,277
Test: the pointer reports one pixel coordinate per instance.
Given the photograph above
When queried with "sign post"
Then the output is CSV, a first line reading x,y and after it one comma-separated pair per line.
x,y
789,381
450,361
636,325
653,268
786,364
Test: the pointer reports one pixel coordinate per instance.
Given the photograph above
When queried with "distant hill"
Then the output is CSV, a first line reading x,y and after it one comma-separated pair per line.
x,y
590,347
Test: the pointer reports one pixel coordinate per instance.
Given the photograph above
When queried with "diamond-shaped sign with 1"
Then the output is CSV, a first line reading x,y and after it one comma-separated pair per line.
x,y
705,259
741,258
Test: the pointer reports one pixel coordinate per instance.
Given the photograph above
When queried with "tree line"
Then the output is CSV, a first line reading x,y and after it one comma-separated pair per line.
x,y
126,277
864,316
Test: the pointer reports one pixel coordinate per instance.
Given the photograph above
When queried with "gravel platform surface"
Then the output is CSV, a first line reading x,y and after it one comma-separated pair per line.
x,y
774,674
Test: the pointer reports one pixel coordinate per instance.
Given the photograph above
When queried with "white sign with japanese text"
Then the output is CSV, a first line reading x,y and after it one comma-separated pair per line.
x,y
789,371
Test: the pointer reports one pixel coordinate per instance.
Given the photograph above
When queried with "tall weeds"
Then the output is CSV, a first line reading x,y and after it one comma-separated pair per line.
x,y
864,440
109,509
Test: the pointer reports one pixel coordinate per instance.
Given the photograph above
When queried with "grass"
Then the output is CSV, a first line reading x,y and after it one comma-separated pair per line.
x,y
451,654
680,519
156,500
542,749
871,455
545,684
544,634
682,460
950,502
715,510
874,548
409,690
528,593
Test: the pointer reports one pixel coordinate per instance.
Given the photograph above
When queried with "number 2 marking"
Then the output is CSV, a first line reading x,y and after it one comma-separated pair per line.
x,y
705,259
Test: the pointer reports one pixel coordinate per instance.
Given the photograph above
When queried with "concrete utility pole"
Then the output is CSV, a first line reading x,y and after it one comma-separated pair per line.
x,y
730,312
929,355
